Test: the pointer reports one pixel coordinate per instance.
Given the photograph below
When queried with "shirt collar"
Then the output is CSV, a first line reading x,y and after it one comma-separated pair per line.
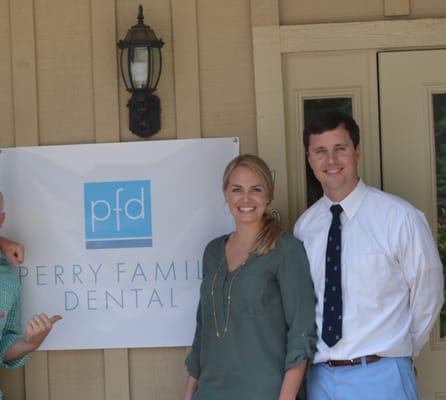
x,y
351,203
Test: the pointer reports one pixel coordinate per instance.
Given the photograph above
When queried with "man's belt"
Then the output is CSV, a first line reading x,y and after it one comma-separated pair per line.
x,y
354,361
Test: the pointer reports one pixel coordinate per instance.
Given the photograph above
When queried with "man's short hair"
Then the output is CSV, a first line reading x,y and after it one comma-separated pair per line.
x,y
329,120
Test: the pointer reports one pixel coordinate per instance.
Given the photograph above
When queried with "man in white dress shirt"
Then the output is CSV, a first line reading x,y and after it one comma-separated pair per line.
x,y
390,274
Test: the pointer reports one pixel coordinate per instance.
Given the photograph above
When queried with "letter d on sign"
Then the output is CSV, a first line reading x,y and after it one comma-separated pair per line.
x,y
139,202
71,300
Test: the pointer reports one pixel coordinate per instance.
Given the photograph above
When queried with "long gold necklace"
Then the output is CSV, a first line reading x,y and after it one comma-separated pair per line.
x,y
221,335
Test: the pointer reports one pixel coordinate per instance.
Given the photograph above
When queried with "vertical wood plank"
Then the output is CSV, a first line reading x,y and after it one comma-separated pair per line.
x,y
116,371
26,133
106,119
157,373
186,73
227,98
36,376
24,83
6,103
64,71
393,8
269,96
76,374
105,72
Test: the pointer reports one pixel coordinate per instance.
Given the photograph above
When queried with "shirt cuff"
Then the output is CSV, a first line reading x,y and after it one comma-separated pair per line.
x,y
300,349
193,364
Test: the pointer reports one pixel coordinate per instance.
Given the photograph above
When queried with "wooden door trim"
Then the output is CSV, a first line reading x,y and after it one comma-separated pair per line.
x,y
271,139
380,35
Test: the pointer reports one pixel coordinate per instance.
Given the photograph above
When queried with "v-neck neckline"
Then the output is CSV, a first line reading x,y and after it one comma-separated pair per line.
x,y
224,261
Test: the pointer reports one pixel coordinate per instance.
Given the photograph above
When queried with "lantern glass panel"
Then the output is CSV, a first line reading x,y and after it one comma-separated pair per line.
x,y
155,67
125,68
139,66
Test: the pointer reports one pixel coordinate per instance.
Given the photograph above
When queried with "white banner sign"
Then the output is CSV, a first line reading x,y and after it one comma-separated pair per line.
x,y
114,236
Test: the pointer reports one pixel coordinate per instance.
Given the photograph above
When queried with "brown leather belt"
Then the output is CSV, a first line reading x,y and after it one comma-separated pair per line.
x,y
354,361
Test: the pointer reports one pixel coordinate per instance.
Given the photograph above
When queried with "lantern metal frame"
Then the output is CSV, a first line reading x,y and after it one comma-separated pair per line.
x,y
144,106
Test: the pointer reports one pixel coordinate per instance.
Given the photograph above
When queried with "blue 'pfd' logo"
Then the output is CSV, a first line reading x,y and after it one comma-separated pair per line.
x,y
117,214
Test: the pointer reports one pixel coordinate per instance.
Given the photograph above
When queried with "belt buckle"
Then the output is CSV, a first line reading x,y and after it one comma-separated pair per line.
x,y
338,363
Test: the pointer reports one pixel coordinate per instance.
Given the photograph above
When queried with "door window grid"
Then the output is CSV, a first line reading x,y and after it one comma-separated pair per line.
x,y
439,108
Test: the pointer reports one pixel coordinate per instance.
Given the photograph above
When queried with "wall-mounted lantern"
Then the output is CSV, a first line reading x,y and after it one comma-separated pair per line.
x,y
141,65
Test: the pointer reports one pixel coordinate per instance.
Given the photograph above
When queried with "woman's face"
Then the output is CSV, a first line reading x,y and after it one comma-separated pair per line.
x,y
246,196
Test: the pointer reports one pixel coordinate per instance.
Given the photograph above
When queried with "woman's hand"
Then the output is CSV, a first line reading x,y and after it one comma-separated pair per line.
x,y
291,381
191,386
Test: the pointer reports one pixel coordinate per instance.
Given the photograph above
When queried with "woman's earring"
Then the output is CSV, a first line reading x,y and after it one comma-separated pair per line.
x,y
276,215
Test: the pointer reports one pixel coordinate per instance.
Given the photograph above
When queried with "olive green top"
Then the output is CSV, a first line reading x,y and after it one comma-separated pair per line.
x,y
270,324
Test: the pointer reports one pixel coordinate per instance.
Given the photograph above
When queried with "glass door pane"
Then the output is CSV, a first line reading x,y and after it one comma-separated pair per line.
x,y
439,106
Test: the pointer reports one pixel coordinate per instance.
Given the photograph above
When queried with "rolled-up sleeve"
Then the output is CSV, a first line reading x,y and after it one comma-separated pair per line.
x,y
11,333
298,300
193,358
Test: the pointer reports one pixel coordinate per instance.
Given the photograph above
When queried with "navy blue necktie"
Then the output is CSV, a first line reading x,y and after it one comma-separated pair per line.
x,y
332,317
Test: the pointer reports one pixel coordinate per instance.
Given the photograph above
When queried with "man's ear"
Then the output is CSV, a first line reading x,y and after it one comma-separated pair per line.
x,y
2,218
358,153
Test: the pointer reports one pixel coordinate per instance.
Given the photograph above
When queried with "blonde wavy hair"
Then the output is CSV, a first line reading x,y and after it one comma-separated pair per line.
x,y
271,230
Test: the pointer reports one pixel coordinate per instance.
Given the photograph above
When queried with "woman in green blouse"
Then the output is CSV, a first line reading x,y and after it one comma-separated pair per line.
x,y
255,329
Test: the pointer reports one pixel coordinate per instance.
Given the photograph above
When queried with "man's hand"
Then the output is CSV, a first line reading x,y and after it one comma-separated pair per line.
x,y
37,329
13,251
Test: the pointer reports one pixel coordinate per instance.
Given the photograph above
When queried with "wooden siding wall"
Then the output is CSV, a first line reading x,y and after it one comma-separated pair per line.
x,y
60,84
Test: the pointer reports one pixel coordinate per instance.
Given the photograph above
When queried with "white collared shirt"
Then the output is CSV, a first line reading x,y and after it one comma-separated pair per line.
x,y
392,278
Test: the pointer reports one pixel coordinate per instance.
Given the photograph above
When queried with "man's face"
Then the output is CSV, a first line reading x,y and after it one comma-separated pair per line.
x,y
334,161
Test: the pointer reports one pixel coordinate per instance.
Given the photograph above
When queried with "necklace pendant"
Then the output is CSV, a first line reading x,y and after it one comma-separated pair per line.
x,y
222,335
